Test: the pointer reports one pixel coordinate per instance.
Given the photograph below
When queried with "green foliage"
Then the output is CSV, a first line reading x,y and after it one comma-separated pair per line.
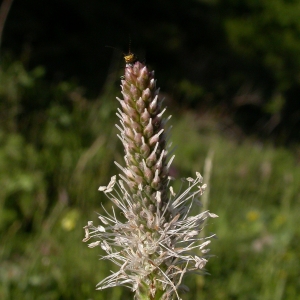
x,y
46,144
230,53
267,32
254,190
59,147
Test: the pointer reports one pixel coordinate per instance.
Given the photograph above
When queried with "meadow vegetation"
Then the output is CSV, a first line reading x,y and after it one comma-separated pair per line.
x,y
58,147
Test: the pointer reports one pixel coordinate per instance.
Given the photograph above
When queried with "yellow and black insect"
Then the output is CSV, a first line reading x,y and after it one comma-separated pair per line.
x,y
130,58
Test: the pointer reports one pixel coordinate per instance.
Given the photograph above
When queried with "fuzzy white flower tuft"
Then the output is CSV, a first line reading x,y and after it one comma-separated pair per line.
x,y
147,243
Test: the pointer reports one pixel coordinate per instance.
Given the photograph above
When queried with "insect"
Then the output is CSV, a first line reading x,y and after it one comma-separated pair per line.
x,y
130,58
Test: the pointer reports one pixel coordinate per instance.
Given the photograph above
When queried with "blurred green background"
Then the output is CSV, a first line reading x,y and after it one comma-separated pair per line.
x,y
230,74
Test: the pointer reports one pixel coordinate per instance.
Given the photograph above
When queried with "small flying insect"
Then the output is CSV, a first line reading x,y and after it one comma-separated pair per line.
x,y
130,58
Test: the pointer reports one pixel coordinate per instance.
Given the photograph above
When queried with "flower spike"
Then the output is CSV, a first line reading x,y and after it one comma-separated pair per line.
x,y
159,242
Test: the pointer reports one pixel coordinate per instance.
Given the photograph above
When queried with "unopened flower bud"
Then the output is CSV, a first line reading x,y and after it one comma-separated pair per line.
x,y
154,139
148,131
140,105
134,91
129,133
152,84
148,173
141,83
145,117
145,149
146,94
153,105
151,160
136,126
156,181
138,139
144,73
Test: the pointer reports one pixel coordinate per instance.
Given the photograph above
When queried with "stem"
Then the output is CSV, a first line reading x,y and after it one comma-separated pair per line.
x,y
4,10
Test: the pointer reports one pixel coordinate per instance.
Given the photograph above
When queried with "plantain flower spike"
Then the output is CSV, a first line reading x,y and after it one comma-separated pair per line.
x,y
159,241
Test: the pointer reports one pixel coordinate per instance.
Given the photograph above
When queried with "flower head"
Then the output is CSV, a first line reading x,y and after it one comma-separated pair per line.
x,y
159,241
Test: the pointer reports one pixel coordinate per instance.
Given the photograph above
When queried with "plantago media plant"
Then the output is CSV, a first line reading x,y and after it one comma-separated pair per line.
x,y
159,241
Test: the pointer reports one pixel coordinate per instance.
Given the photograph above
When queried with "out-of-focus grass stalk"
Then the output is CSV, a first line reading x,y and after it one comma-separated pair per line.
x,y
208,165
4,10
